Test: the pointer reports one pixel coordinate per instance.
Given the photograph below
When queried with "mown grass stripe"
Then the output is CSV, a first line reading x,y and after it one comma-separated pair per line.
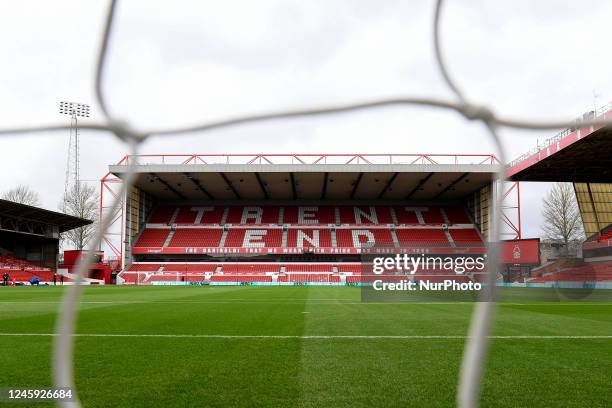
x,y
313,337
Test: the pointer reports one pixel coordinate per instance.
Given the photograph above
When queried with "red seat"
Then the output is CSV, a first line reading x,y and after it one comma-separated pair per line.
x,y
350,268
152,238
297,267
605,236
457,215
365,215
424,237
409,214
138,267
162,215
207,215
465,237
20,270
356,238
205,237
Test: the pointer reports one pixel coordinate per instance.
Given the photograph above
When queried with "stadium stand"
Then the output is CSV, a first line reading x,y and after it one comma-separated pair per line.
x,y
206,229
314,272
415,225
599,245
294,219
30,240
22,271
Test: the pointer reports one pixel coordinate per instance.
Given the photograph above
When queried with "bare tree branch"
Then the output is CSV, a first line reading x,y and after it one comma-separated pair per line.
x,y
81,201
562,220
22,194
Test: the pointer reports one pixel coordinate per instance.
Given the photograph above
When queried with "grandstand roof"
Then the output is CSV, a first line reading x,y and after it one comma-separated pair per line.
x,y
28,213
582,155
310,177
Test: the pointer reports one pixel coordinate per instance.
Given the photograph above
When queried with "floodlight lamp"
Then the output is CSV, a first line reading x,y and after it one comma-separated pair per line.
x,y
74,109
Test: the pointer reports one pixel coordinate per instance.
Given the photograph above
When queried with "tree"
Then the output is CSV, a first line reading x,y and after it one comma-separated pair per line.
x,y
81,201
22,194
561,215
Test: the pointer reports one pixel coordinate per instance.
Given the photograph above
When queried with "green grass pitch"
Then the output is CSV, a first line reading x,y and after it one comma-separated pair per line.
x,y
297,371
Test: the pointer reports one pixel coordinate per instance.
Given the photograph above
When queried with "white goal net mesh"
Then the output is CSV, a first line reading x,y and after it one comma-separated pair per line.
x,y
479,331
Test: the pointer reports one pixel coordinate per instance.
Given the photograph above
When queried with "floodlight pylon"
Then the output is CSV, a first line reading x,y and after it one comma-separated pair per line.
x,y
72,178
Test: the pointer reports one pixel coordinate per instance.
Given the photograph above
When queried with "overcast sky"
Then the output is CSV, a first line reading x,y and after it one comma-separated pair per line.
x,y
181,62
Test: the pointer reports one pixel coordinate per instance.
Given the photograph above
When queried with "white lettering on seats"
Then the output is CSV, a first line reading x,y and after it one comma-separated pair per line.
x,y
306,215
200,213
253,213
254,239
357,242
371,216
419,212
301,237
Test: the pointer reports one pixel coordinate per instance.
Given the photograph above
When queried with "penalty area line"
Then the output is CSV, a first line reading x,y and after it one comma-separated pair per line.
x,y
312,337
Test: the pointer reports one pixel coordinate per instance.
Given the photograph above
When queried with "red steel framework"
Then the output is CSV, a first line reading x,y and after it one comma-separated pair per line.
x,y
111,184
511,211
387,158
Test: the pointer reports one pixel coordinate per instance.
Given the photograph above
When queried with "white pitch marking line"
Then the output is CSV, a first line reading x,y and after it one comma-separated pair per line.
x,y
313,337
275,302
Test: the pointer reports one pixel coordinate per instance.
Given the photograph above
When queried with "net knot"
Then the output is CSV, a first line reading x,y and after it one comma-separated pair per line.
x,y
477,112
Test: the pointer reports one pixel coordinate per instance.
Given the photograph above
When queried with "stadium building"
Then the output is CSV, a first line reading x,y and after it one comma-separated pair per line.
x,y
298,219
581,156
30,241
311,219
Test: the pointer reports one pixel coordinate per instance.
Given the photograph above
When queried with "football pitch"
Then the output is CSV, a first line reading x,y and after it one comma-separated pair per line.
x,y
302,347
